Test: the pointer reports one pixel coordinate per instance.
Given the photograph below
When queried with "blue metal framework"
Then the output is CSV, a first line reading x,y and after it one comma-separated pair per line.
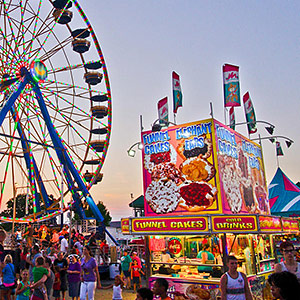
x,y
70,171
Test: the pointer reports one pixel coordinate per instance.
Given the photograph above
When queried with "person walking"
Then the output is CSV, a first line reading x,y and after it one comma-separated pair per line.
x,y
284,286
144,294
17,259
35,253
234,284
289,264
64,245
8,273
50,279
23,257
62,266
135,275
38,272
117,288
29,235
56,284
90,277
23,288
125,266
160,288
74,277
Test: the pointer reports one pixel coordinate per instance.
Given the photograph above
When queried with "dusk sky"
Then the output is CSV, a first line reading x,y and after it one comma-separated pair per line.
x,y
144,41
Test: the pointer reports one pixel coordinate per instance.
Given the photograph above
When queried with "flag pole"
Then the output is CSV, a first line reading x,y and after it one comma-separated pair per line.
x,y
211,110
277,159
174,118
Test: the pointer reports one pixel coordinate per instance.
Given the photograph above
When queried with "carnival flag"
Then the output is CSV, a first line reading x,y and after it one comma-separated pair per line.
x,y
177,94
163,114
279,151
249,113
231,118
231,85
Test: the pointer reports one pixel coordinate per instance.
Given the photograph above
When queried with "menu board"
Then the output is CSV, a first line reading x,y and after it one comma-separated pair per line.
x,y
202,167
242,174
180,177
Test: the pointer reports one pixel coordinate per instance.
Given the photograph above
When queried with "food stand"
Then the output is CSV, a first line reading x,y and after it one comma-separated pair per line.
x,y
204,186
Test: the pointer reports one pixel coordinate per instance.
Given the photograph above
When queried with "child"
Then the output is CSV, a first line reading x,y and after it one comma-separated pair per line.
x,y
135,274
38,272
160,288
56,285
144,294
23,288
117,288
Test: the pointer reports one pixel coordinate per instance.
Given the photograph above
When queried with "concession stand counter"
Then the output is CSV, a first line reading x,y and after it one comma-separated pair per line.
x,y
173,244
205,186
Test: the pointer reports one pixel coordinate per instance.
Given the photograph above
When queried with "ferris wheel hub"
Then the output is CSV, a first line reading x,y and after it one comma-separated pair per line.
x,y
38,70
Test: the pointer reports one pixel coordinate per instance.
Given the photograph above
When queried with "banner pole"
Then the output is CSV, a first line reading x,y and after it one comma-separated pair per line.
x,y
277,159
174,118
211,110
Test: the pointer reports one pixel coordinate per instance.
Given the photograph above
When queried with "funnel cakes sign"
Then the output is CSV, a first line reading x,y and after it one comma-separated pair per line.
x,y
179,170
202,168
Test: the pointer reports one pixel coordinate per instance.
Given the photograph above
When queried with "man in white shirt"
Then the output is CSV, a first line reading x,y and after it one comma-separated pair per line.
x,y
79,246
64,244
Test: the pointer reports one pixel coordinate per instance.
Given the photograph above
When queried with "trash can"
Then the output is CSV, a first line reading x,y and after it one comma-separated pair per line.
x,y
114,269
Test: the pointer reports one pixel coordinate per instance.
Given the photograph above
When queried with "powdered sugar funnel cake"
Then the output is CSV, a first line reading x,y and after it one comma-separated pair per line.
x,y
162,196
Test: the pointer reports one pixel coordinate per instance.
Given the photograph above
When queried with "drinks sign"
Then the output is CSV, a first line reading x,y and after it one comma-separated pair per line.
x,y
234,224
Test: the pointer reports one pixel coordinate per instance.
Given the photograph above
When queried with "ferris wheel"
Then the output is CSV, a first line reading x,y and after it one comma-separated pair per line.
x,y
55,106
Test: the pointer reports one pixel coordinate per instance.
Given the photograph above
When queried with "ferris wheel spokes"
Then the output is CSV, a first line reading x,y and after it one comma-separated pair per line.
x,y
34,177
64,157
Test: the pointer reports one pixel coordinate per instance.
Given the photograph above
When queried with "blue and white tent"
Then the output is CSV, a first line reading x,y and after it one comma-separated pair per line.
x,y
284,196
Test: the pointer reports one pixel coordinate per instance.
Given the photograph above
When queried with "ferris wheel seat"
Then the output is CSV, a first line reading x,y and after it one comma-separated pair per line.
x,y
99,98
99,131
93,65
64,17
81,33
89,176
99,177
93,78
98,145
92,162
99,112
81,45
62,3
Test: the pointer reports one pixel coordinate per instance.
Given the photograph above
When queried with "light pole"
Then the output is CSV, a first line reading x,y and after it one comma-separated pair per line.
x,y
288,141
270,128
272,139
131,152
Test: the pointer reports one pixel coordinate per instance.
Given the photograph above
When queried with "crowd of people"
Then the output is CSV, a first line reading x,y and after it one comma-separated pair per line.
x,y
48,264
